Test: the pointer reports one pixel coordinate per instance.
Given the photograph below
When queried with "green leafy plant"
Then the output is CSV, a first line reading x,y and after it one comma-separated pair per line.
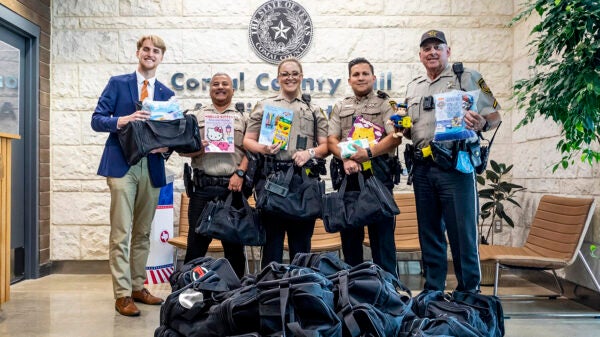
x,y
565,85
498,192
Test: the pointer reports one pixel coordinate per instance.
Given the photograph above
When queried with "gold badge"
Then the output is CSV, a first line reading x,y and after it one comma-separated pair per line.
x,y
432,33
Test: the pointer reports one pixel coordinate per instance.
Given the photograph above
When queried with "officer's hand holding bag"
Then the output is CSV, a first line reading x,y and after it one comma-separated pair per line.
x,y
224,221
350,209
292,194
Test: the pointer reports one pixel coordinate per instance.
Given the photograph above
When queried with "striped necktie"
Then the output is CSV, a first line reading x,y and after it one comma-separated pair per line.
x,y
144,91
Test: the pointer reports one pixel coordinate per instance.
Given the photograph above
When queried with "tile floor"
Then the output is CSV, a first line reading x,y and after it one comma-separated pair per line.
x,y
82,305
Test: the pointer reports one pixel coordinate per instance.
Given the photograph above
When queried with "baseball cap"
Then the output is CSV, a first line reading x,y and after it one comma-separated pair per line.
x,y
433,35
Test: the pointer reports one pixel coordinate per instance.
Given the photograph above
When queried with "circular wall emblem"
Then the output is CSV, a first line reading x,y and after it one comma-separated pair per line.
x,y
280,29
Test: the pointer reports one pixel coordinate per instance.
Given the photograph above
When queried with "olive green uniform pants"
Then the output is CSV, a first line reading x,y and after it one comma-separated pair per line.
x,y
132,206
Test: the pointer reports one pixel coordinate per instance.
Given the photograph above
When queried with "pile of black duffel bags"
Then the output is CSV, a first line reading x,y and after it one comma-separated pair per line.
x,y
317,295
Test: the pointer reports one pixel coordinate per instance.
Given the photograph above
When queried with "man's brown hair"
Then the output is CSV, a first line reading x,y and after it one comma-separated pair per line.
x,y
156,40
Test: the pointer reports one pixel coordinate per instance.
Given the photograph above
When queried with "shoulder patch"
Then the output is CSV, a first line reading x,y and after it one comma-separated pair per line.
x,y
324,114
484,87
382,94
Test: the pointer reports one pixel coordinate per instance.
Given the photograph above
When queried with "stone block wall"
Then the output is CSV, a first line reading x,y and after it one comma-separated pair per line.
x,y
534,154
93,40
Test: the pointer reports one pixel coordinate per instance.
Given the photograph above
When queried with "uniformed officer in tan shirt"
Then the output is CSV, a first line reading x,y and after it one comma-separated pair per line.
x,y
377,109
289,75
217,174
446,199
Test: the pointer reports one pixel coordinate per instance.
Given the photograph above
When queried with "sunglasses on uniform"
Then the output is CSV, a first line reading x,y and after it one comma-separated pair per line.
x,y
294,74
437,47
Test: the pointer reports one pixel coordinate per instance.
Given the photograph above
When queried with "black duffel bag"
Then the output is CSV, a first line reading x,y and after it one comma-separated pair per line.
x,y
291,194
226,222
196,268
351,209
326,264
296,301
138,138
371,301
285,301
489,308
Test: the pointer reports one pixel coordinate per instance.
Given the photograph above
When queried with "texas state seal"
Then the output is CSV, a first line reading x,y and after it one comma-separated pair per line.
x,y
280,29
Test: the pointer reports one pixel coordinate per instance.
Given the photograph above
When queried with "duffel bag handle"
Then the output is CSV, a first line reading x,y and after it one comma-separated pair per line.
x,y
361,181
159,127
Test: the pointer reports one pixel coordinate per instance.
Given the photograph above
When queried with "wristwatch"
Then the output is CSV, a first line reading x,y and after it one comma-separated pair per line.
x,y
312,153
369,153
486,126
240,173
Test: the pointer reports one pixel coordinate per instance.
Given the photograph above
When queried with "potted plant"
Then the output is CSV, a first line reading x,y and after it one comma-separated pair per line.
x,y
497,193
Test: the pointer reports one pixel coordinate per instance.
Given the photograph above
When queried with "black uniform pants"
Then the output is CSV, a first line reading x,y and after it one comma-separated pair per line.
x,y
197,245
381,239
447,201
299,234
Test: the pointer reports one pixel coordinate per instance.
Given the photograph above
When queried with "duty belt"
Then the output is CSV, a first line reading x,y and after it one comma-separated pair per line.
x,y
423,154
206,180
272,165
281,165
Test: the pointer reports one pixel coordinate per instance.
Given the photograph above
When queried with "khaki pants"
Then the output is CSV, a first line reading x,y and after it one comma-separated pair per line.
x,y
133,202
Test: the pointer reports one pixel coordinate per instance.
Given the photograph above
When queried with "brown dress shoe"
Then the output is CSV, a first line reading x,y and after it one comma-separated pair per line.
x,y
126,307
145,297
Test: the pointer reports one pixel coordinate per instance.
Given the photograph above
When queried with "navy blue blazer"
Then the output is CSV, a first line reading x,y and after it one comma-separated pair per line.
x,y
119,99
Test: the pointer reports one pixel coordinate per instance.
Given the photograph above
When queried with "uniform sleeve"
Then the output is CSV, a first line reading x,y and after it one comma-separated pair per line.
x,y
322,122
334,121
410,88
244,126
255,118
245,120
486,103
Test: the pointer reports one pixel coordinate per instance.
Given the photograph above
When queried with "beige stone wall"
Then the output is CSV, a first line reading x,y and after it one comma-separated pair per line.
x,y
534,153
93,40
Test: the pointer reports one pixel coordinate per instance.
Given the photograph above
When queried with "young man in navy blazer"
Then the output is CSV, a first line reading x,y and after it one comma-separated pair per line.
x,y
134,189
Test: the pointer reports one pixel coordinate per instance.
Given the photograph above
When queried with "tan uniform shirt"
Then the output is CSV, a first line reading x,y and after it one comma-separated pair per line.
x,y
221,164
423,127
371,107
302,122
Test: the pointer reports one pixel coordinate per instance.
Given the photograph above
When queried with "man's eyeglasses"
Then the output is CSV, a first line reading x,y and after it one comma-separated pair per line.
x,y
295,74
437,47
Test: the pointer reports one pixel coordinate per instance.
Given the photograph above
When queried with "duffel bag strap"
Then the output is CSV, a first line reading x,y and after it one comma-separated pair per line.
x,y
346,314
284,294
158,126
